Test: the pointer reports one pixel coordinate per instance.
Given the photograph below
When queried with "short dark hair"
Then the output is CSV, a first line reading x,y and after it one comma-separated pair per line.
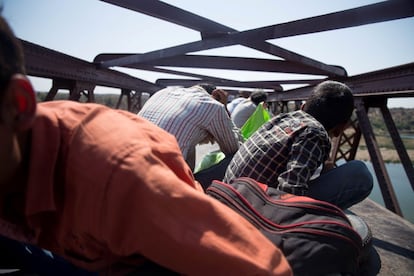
x,y
331,103
208,87
258,97
11,54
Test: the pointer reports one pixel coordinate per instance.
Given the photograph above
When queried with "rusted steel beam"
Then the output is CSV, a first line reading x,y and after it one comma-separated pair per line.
x,y
350,139
204,78
398,143
220,62
82,88
383,178
396,81
374,13
135,101
47,63
76,89
201,78
209,28
171,14
126,93
356,135
268,48
273,86
379,12
56,85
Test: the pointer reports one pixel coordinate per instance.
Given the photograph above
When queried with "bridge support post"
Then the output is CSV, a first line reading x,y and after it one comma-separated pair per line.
x,y
383,178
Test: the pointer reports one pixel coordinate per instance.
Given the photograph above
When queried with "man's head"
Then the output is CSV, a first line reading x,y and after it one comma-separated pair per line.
x,y
331,103
15,88
258,97
17,102
208,87
244,94
217,93
11,58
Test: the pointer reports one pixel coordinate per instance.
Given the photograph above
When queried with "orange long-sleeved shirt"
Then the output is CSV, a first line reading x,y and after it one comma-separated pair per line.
x,y
107,188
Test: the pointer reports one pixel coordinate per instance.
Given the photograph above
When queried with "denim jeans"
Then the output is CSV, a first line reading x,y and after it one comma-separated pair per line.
x,y
344,185
215,172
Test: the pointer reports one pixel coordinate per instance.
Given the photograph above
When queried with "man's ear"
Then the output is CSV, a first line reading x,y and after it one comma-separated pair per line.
x,y
23,101
335,132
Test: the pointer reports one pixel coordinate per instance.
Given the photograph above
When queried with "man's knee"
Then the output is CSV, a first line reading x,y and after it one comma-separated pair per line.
x,y
361,175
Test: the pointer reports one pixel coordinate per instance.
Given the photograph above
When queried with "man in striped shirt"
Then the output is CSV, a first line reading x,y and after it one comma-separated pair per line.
x,y
286,151
194,115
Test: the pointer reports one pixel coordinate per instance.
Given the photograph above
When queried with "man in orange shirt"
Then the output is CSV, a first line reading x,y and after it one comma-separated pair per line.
x,y
110,192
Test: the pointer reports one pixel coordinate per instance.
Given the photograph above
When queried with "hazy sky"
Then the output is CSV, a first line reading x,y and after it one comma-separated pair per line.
x,y
85,28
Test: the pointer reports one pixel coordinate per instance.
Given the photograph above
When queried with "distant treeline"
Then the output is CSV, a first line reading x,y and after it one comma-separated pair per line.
x,y
106,99
403,117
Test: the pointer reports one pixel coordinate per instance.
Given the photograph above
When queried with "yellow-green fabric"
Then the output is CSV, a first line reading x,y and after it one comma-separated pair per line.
x,y
256,120
209,160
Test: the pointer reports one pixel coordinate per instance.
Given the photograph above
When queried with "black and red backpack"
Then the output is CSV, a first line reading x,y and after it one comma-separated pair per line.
x,y
316,237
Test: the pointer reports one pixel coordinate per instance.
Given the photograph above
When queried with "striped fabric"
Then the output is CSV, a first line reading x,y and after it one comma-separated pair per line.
x,y
283,153
192,116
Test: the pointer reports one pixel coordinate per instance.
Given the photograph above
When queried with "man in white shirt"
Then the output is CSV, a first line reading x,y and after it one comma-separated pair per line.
x,y
194,115
243,95
245,109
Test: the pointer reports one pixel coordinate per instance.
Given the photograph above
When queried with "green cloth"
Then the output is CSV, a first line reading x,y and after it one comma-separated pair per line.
x,y
256,120
209,160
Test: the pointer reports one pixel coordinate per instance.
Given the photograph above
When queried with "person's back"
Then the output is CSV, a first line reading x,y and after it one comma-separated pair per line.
x,y
114,181
84,181
241,97
232,105
271,161
109,191
286,151
193,117
246,108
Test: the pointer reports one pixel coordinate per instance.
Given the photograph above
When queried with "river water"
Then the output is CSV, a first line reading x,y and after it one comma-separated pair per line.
x,y
402,189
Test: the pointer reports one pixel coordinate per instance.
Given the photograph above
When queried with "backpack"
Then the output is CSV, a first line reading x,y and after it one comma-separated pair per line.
x,y
316,237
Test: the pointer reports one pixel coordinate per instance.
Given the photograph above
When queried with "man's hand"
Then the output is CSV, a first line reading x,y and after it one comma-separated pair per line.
x,y
220,95
328,165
